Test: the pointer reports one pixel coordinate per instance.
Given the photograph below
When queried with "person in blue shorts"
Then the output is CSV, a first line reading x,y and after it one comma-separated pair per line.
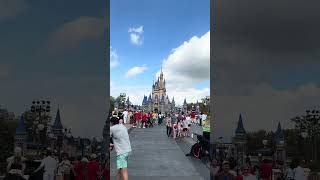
x,y
122,146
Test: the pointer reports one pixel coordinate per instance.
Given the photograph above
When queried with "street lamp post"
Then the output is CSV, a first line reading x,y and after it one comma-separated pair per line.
x,y
264,142
40,110
304,135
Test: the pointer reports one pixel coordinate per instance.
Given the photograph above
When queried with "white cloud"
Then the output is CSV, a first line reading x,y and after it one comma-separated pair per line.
x,y
72,33
135,71
135,93
186,66
136,30
136,35
114,60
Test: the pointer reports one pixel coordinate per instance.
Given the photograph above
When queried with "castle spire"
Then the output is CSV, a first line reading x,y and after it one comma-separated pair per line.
x,y
57,126
279,135
21,130
240,129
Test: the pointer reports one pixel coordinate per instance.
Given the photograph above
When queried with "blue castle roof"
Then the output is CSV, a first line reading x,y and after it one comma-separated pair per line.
x,y
279,135
57,123
240,129
21,129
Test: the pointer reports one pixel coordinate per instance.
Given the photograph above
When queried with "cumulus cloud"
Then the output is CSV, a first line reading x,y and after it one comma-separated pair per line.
x,y
12,8
136,35
135,71
114,60
73,33
186,66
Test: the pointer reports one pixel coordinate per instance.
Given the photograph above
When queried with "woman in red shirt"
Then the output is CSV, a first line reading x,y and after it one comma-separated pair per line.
x,y
93,168
80,169
139,119
144,119
106,171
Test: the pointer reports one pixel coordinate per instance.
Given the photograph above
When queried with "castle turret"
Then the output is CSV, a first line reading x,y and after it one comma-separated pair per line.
x,y
240,140
57,127
21,135
280,153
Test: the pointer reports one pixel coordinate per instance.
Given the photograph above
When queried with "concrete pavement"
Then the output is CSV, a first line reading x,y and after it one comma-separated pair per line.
x,y
158,157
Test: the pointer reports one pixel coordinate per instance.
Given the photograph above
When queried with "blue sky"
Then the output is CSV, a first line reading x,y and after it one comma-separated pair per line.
x,y
166,25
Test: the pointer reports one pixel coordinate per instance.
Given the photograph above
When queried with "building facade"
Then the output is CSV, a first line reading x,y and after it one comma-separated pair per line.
x,y
158,99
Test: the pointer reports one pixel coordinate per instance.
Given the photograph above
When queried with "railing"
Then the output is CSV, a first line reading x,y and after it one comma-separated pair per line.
x,y
311,176
314,176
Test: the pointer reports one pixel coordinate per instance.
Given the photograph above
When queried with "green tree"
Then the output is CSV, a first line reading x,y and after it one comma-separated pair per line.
x,y
7,132
112,102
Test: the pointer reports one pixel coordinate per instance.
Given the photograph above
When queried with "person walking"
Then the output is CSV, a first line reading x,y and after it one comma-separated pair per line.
x,y
80,169
193,117
65,166
139,117
299,173
125,116
225,173
160,117
121,143
168,125
16,166
290,172
93,168
50,167
246,175
214,169
266,170
144,119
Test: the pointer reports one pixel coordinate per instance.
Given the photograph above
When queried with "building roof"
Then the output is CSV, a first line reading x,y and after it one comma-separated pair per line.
x,y
21,129
240,129
57,125
279,135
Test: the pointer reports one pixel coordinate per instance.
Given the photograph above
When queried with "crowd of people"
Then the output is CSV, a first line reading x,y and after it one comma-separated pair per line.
x,y
67,168
228,170
177,124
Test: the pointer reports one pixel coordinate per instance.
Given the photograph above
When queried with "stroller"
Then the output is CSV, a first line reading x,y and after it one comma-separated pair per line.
x,y
200,148
149,123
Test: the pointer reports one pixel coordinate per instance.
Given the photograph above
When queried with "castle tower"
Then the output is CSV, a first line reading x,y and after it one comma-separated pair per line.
x,y
185,106
21,135
240,141
158,99
280,154
57,127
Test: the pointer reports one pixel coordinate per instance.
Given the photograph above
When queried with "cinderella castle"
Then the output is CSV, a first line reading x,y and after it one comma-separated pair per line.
x,y
158,100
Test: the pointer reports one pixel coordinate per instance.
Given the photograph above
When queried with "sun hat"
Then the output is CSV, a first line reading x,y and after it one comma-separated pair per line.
x,y
93,156
84,160
225,162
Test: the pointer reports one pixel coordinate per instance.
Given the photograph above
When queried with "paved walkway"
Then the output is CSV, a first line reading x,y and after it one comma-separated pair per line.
x,y
156,156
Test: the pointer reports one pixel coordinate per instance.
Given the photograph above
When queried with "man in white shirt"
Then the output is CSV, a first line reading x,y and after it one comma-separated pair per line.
x,y
50,165
299,173
121,143
203,118
125,116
